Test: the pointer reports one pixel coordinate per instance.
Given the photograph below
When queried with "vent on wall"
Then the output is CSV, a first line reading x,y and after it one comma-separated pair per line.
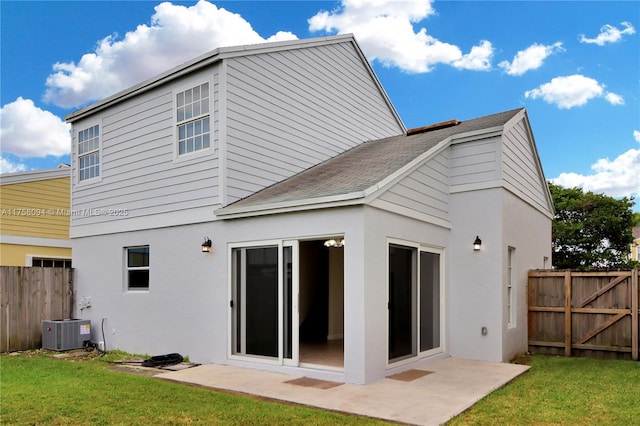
x,y
65,334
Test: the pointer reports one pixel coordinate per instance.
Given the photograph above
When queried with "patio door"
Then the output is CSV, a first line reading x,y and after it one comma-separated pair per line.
x,y
414,302
264,302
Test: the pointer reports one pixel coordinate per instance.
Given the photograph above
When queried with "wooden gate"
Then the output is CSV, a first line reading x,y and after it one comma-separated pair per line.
x,y
584,313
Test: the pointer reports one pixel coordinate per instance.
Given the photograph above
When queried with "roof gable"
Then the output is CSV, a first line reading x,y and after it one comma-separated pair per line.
x,y
220,54
364,171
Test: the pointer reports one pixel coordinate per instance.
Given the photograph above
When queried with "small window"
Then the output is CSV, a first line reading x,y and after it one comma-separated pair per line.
x,y
137,268
89,153
192,118
511,291
51,263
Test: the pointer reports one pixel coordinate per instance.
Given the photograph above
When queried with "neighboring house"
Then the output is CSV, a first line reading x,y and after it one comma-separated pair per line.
x,y
635,245
34,222
342,245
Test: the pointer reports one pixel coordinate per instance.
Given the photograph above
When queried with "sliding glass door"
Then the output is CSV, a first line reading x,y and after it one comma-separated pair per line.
x,y
262,302
414,299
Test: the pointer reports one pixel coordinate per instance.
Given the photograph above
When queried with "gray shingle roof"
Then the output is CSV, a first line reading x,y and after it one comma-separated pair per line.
x,y
361,167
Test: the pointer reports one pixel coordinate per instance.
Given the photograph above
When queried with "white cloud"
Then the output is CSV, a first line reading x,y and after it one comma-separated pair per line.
x,y
28,131
617,178
384,29
176,34
531,58
609,34
8,166
614,99
571,91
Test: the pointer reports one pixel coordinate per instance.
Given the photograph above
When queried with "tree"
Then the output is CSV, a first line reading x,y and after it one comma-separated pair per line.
x,y
590,230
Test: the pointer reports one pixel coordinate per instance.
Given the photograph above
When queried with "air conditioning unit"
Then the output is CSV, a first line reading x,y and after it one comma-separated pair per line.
x,y
65,334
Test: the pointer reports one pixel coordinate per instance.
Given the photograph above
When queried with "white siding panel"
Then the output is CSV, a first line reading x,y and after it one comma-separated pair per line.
x,y
520,168
425,190
474,162
139,173
290,110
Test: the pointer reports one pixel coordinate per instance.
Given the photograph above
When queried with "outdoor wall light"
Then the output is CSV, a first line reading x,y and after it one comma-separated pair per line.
x,y
477,243
206,246
334,243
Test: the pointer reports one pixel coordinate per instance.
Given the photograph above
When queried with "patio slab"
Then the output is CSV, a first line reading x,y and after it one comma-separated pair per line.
x,y
430,395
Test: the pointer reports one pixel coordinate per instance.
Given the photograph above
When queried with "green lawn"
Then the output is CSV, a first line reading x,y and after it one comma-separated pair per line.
x,y
36,388
563,391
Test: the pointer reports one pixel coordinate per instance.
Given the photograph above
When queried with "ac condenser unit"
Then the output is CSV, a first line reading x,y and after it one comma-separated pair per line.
x,y
65,334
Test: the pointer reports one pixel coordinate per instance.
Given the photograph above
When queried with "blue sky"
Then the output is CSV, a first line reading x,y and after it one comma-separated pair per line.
x,y
574,65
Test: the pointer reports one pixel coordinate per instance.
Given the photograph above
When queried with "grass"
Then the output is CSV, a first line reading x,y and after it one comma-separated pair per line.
x,y
563,391
37,389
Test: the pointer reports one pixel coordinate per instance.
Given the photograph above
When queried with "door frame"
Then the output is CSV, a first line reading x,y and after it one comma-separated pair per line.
x,y
419,247
280,360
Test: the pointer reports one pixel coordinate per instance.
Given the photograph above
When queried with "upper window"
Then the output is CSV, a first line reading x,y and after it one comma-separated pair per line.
x,y
192,118
137,268
89,153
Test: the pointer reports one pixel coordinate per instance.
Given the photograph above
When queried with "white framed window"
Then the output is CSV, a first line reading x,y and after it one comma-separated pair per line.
x,y
511,289
193,123
51,262
89,153
137,268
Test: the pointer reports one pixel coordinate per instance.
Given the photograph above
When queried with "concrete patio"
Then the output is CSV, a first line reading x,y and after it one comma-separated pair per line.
x,y
428,396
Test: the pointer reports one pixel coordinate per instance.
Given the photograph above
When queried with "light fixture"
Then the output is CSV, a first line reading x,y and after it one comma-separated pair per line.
x,y
477,243
206,245
334,243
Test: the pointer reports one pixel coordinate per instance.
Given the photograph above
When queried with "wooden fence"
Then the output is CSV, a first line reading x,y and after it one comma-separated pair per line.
x,y
29,295
591,314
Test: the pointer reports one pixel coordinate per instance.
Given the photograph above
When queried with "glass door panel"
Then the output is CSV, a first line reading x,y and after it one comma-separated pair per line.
x,y
255,301
402,305
429,301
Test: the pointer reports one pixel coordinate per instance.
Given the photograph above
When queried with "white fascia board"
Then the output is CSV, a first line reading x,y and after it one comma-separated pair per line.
x,y
35,241
350,199
413,214
35,175
160,220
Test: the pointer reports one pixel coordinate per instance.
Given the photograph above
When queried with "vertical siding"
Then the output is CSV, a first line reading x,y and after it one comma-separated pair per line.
x,y
474,162
36,209
520,168
426,190
290,110
139,172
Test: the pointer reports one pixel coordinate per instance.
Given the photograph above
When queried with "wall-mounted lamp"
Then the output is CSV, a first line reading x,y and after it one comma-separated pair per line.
x,y
206,246
477,243
334,243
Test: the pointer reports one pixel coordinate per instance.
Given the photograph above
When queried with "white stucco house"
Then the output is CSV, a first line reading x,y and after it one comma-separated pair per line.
x,y
341,243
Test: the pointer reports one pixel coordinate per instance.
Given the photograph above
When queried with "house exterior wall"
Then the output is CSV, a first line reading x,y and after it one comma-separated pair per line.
x,y
289,110
142,181
528,232
475,278
35,216
425,191
380,226
474,162
520,170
